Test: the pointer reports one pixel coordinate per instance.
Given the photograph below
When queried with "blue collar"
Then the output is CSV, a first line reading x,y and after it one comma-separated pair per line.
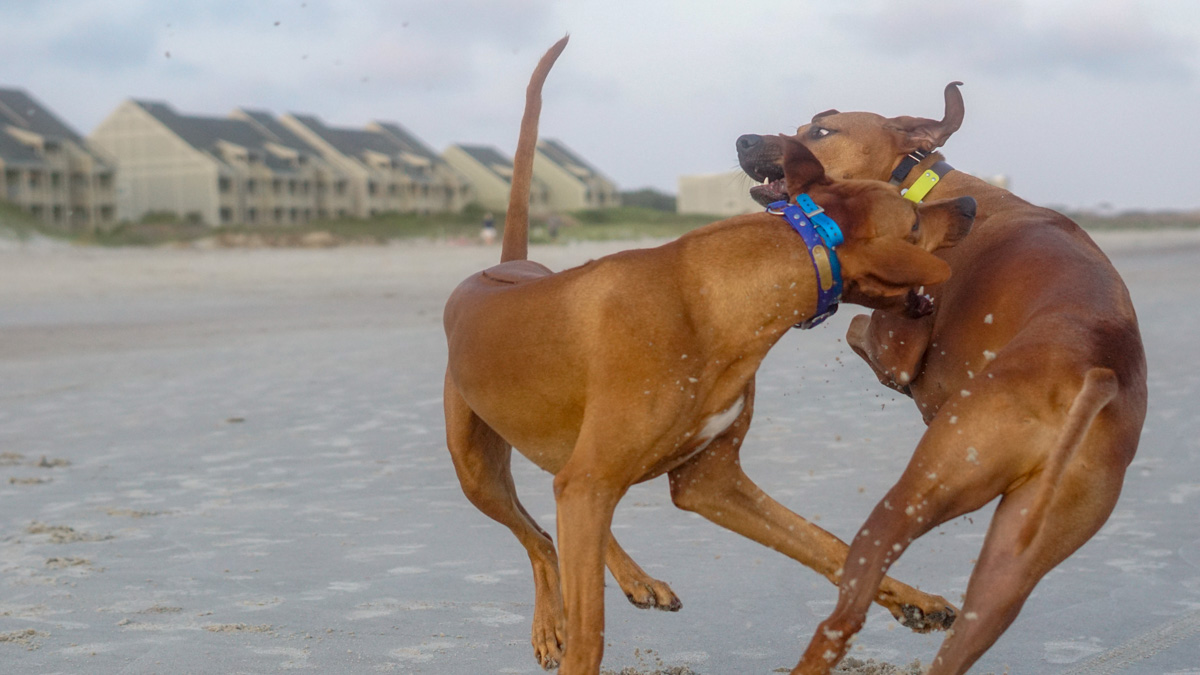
x,y
821,235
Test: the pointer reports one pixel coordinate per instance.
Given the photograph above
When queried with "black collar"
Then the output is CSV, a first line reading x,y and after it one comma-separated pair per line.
x,y
910,160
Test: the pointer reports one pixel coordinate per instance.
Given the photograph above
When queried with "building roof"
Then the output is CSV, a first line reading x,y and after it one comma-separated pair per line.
x,y
278,133
566,158
14,152
206,134
386,138
21,110
408,141
491,158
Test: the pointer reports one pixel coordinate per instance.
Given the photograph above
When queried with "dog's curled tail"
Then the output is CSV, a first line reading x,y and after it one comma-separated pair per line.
x,y
516,220
1099,388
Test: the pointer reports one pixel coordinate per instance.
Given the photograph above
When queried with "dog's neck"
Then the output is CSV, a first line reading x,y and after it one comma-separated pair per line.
x,y
989,198
759,279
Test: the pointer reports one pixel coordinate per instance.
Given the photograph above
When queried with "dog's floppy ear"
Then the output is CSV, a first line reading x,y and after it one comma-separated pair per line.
x,y
887,268
925,134
800,168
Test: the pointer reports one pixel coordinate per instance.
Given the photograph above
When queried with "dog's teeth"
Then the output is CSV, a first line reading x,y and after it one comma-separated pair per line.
x,y
766,181
921,291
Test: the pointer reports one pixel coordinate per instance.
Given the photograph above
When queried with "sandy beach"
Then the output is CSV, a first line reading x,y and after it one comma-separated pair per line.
x,y
232,461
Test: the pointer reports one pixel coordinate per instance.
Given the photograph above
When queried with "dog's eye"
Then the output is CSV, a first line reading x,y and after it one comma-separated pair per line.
x,y
819,132
916,225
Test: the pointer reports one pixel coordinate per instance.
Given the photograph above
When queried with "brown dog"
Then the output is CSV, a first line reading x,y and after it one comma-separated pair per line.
x,y
1030,375
643,363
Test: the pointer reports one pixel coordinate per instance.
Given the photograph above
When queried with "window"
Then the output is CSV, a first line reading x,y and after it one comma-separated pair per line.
x,y
251,187
224,185
226,215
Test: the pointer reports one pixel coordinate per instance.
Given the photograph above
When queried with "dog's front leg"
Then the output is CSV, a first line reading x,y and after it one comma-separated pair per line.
x,y
586,500
643,590
713,484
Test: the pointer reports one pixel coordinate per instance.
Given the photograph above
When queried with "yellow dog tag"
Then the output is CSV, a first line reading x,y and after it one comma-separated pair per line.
x,y
922,186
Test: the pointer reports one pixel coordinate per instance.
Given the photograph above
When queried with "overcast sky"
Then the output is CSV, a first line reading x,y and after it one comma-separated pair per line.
x,y
1079,102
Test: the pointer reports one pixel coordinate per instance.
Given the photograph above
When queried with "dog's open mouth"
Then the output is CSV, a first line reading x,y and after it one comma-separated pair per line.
x,y
918,303
773,187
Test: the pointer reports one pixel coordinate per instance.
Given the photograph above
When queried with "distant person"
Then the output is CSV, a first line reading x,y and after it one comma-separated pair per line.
x,y
488,234
552,225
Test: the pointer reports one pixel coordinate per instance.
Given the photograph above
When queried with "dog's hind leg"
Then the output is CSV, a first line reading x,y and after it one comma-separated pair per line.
x,y
1040,523
643,590
1004,576
482,462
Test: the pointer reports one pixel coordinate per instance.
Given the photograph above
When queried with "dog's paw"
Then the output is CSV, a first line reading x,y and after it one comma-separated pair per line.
x,y
653,594
916,619
548,644
548,661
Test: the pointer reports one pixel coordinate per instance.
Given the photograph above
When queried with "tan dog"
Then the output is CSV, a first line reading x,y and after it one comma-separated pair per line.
x,y
643,363
1030,375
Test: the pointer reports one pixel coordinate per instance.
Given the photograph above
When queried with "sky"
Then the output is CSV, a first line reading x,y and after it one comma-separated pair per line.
x,y
1081,103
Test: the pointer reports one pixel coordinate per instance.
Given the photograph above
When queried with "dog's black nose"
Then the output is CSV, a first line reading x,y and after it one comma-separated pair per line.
x,y
748,142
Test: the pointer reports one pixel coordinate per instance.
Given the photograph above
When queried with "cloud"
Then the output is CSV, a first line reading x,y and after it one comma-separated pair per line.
x,y
1113,40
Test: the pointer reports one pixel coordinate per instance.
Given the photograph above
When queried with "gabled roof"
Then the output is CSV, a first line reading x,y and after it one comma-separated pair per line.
x,y
389,140
351,142
560,154
206,133
14,152
408,141
491,158
276,131
494,161
21,110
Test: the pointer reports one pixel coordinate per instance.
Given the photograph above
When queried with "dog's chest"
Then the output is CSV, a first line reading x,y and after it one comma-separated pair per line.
x,y
715,425
711,427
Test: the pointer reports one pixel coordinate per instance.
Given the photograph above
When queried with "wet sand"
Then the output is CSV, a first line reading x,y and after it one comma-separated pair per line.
x,y
217,461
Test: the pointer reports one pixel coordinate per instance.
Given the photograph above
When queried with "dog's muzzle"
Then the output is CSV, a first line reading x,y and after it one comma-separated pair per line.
x,y
760,161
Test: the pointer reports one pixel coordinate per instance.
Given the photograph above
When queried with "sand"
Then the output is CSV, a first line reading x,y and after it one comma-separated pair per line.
x,y
217,461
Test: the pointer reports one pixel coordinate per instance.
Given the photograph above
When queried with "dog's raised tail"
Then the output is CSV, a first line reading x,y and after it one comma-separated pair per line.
x,y
1099,387
516,220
